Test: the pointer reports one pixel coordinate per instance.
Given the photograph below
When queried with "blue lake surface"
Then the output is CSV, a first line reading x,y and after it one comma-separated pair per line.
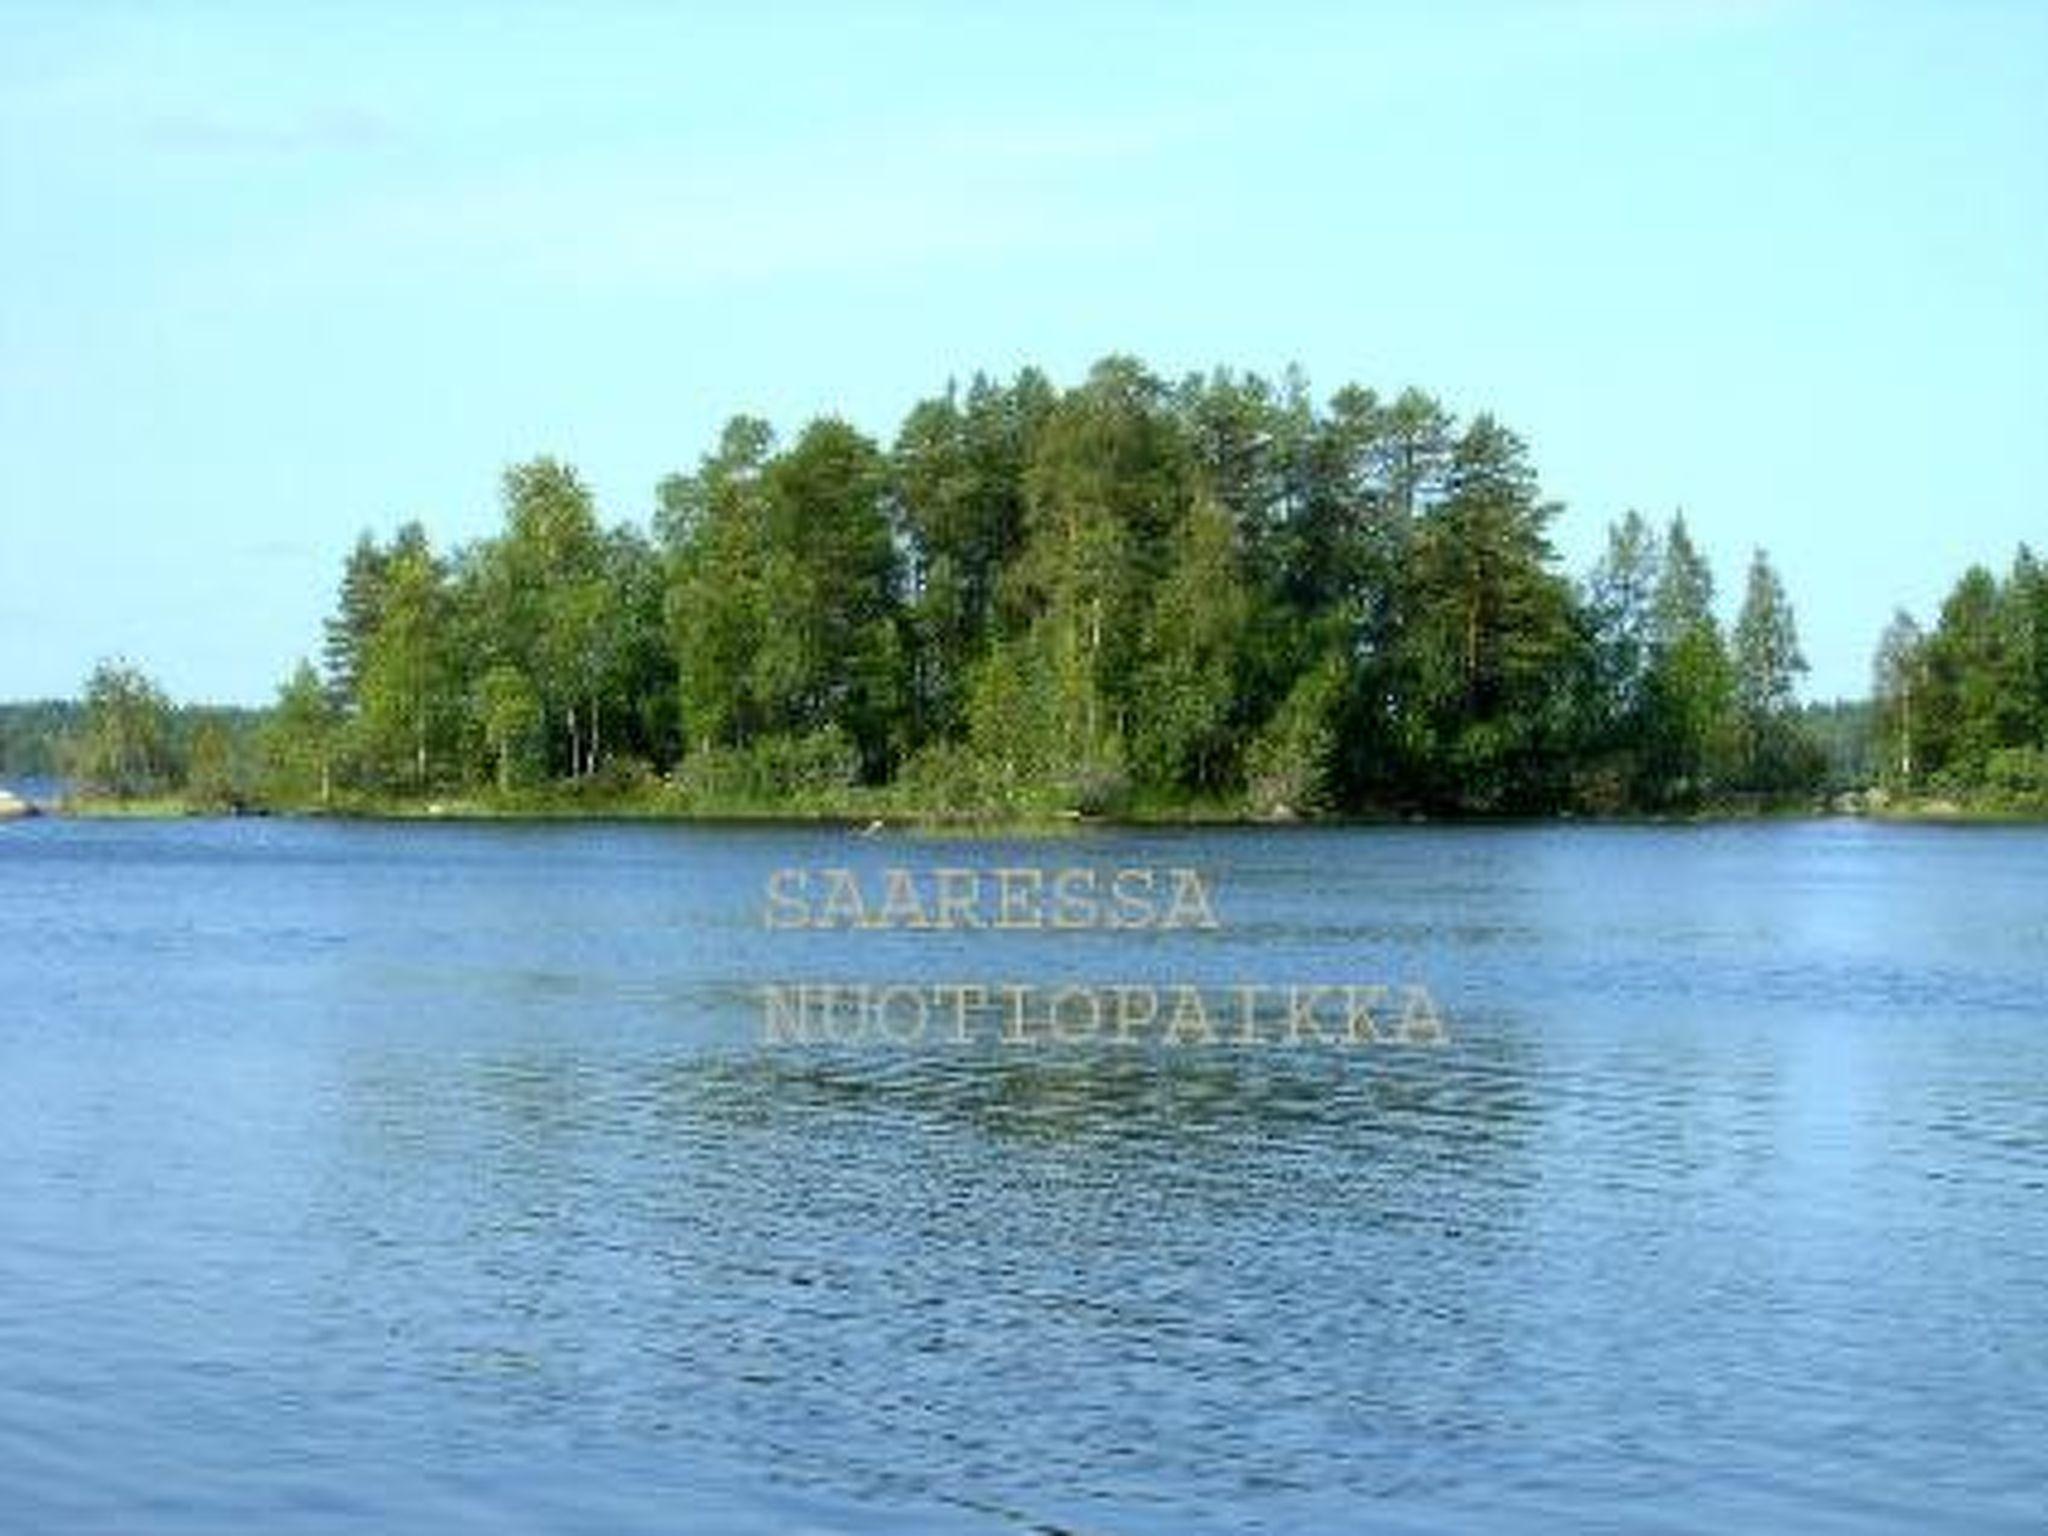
x,y
439,1178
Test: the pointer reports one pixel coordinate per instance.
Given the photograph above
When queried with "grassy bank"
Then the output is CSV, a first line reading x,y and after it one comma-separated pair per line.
x,y
852,807
1986,811
131,808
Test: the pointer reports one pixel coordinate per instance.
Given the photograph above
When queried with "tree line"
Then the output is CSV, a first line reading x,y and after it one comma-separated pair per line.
x,y
1127,595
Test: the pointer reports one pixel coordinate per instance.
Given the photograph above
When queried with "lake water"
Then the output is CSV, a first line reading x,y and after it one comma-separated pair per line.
x,y
437,1178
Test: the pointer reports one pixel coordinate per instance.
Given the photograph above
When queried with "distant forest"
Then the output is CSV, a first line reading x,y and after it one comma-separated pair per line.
x,y
1127,597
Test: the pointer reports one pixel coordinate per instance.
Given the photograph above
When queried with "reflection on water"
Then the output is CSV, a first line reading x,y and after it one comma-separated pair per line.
x,y
436,1177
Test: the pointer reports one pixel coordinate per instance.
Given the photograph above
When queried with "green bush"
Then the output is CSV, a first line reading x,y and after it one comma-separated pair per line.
x,y
793,771
1288,766
2018,773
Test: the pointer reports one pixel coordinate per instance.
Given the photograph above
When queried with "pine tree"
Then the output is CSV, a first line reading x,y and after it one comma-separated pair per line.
x,y
1491,629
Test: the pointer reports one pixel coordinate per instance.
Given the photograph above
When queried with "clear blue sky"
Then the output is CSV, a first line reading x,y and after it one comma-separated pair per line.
x,y
271,274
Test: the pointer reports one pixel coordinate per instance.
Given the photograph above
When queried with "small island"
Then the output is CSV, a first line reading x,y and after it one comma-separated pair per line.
x,y
1214,599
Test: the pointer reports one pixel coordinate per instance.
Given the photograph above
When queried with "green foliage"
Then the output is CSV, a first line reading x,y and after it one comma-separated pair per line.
x,y
1186,687
1898,688
784,594
1100,501
33,737
723,583
810,771
2018,774
1963,709
365,580
125,749
1688,732
1122,594
1621,614
409,685
1776,756
214,780
1691,742
1844,733
843,666
957,477
1290,765
1490,633
946,776
300,742
509,709
1038,726
548,605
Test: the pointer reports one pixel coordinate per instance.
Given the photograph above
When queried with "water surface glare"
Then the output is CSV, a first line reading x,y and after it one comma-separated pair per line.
x,y
437,1178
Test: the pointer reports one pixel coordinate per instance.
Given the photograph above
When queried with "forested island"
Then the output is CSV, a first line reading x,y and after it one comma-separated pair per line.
x,y
1222,597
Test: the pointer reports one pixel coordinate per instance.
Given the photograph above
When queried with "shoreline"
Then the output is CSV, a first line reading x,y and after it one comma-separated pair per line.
x,y
878,819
